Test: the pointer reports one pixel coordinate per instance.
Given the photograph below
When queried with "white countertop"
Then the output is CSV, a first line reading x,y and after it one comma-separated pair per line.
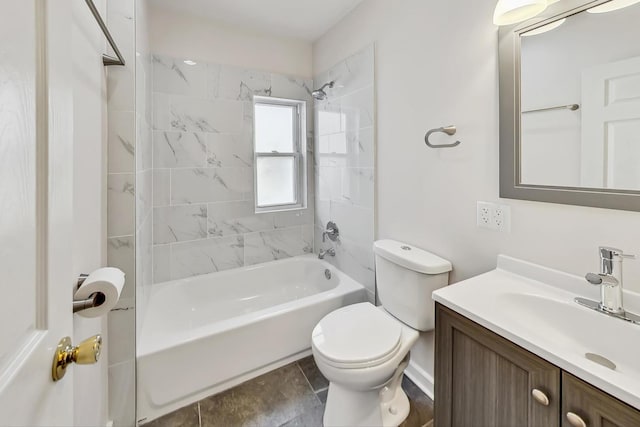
x,y
533,307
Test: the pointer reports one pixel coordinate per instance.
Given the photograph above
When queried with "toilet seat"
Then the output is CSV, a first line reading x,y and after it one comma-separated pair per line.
x,y
357,336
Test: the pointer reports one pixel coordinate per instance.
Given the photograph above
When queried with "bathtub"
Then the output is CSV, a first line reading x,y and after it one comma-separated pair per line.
x,y
206,334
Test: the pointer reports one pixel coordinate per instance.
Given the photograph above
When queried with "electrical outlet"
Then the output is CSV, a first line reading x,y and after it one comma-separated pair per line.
x,y
484,214
502,218
493,216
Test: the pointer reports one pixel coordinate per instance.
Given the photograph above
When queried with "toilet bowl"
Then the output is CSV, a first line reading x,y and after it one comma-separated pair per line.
x,y
361,359
363,349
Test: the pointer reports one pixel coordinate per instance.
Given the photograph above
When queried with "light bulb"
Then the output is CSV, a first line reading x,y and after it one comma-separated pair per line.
x,y
510,12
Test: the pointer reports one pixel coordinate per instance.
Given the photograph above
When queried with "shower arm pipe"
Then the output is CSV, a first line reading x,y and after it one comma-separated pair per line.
x,y
320,94
330,84
106,59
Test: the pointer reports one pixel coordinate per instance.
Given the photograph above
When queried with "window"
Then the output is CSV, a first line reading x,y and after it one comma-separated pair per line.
x,y
279,144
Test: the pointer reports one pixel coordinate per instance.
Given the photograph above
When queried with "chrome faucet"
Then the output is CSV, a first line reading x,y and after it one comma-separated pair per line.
x,y
323,253
610,281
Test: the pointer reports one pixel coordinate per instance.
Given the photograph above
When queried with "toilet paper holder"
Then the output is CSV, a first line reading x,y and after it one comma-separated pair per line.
x,y
96,299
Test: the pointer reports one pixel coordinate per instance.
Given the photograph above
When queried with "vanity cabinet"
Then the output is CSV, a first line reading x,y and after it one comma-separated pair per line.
x,y
483,379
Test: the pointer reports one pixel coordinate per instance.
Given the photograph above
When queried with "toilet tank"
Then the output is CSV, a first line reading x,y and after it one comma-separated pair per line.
x,y
406,276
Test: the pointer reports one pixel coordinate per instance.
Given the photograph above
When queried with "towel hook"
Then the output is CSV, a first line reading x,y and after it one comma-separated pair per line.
x,y
449,130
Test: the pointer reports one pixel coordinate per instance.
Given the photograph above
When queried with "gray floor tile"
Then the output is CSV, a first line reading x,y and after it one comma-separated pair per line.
x,y
269,400
421,411
322,395
311,418
184,417
281,398
313,374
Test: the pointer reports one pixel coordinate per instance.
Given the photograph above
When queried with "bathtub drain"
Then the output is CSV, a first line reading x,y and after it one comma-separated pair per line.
x,y
327,274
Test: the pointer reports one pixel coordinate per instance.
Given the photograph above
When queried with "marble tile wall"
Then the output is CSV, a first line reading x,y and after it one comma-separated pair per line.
x,y
122,185
345,165
203,185
144,162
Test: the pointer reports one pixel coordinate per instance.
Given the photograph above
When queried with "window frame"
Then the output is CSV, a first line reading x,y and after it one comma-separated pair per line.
x,y
299,153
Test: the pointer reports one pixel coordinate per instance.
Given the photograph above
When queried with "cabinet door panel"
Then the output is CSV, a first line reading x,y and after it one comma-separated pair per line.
x,y
482,379
595,407
470,358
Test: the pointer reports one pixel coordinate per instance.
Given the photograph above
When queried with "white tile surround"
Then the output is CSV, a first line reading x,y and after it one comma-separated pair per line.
x,y
345,165
144,163
203,197
122,226
130,190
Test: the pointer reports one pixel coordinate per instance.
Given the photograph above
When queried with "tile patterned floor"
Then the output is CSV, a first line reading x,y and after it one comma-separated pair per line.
x,y
292,396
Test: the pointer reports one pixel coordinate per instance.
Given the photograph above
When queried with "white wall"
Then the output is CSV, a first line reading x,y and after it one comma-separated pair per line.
x,y
89,169
182,36
436,64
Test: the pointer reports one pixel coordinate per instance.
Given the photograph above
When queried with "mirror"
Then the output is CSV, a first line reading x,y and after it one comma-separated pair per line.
x,y
570,105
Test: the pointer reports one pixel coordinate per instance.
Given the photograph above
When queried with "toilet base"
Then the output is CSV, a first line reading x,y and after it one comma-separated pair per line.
x,y
385,406
365,409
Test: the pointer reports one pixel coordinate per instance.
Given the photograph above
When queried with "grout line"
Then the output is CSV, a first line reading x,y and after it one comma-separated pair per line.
x,y
308,383
120,236
268,230
199,415
122,173
170,187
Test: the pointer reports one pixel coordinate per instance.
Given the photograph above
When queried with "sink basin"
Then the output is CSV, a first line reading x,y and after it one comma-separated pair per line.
x,y
534,307
574,328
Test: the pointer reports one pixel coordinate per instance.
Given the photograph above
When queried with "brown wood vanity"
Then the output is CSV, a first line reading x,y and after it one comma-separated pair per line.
x,y
485,380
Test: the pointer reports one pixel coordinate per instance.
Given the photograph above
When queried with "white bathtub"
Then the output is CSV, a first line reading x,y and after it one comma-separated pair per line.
x,y
205,334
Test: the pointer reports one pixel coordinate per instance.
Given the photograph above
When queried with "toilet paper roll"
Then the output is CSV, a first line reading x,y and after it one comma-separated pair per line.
x,y
109,281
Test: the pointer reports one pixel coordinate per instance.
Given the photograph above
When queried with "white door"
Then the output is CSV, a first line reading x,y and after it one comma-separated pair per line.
x,y
36,195
611,125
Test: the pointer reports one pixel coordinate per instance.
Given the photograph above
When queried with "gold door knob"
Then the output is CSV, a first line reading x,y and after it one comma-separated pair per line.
x,y
86,353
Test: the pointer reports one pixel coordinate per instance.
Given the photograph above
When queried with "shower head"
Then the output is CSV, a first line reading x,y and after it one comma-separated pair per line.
x,y
320,94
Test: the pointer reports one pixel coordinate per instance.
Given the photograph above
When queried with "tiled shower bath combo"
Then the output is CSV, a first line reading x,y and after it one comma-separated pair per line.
x,y
203,175
227,274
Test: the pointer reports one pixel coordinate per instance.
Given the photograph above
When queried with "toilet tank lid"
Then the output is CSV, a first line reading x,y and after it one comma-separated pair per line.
x,y
410,257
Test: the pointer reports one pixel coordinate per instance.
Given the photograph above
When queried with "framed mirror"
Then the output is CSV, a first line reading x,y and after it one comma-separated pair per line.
x,y
570,105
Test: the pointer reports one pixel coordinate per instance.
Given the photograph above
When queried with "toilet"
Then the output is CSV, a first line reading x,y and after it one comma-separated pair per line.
x,y
363,349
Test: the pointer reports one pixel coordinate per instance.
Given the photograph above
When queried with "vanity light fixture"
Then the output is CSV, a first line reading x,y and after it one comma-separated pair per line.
x,y
189,62
510,12
612,5
545,28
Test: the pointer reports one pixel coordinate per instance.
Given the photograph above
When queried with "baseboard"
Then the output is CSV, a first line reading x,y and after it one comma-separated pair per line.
x,y
421,378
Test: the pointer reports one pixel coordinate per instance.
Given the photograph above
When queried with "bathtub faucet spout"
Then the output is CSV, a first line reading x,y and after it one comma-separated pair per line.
x,y
323,253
